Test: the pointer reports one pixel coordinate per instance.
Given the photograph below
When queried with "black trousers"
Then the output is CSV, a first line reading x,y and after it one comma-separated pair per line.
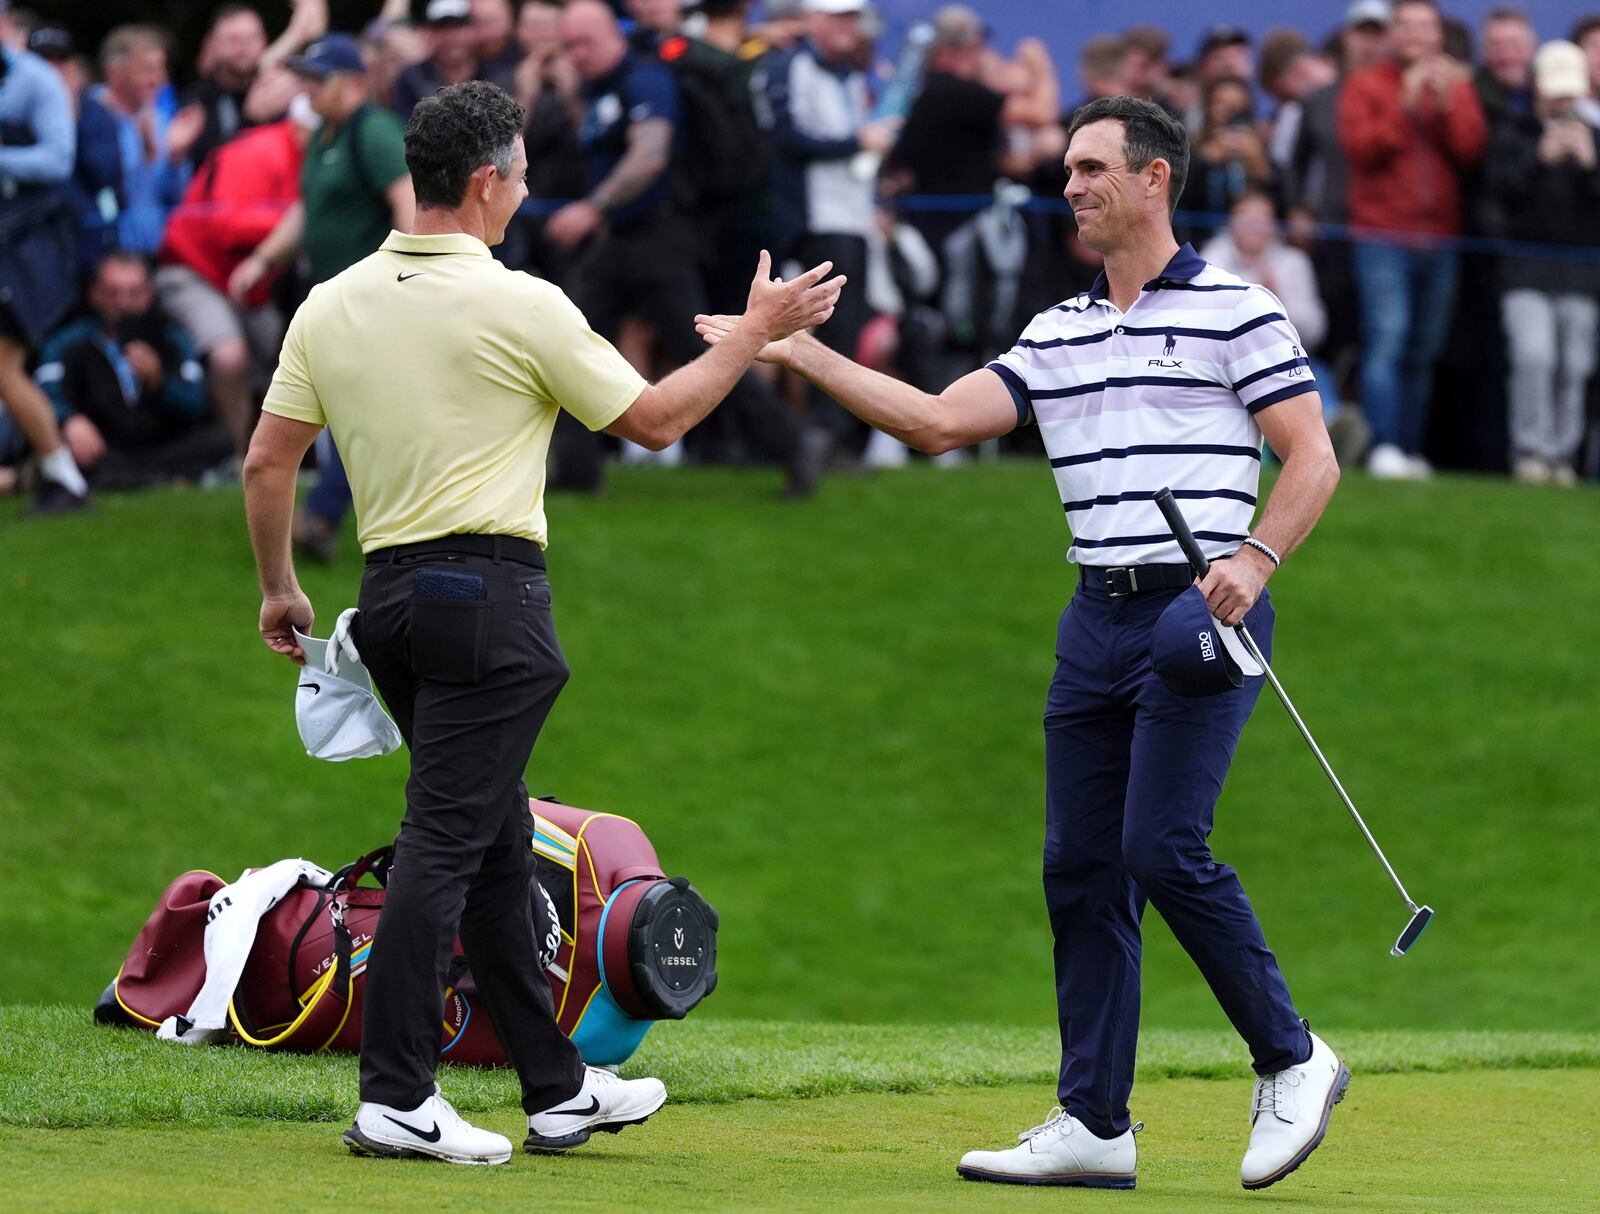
x,y
842,332
469,681
652,269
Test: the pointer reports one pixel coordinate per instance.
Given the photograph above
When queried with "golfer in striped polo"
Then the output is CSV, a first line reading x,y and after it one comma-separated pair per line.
x,y
1167,372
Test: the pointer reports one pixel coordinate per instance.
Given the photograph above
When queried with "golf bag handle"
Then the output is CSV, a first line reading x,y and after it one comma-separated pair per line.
x,y
1180,530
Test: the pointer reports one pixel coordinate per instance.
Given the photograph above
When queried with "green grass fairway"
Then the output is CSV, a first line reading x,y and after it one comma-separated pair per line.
x,y
827,714
59,1070
1490,1141
1433,1121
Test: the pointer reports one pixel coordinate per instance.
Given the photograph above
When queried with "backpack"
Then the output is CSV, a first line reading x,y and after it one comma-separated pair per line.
x,y
622,946
723,156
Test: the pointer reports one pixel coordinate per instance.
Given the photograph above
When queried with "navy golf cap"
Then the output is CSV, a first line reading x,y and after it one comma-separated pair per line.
x,y
1195,655
333,53
52,42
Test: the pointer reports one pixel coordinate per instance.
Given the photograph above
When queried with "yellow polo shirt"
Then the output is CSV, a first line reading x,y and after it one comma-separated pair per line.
x,y
439,372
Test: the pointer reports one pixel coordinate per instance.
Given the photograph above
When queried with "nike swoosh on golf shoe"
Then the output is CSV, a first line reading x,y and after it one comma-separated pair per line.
x,y
432,1134
594,1107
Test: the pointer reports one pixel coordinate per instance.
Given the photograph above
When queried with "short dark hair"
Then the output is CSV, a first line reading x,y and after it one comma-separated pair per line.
x,y
1279,49
1150,39
1102,56
1253,191
231,10
1508,12
1148,133
1586,27
119,257
454,133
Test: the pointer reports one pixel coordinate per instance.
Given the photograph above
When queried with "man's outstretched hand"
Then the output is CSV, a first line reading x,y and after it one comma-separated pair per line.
x,y
777,310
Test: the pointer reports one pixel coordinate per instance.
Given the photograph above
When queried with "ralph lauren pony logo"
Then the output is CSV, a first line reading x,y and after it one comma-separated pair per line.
x,y
1166,360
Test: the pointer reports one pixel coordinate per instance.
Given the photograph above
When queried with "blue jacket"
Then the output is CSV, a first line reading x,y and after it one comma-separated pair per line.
x,y
82,370
36,136
96,187
150,188
38,231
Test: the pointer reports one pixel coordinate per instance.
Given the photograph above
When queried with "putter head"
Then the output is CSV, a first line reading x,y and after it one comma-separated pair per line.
x,y
1413,929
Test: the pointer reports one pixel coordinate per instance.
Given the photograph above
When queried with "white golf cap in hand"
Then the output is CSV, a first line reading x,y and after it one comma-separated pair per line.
x,y
338,716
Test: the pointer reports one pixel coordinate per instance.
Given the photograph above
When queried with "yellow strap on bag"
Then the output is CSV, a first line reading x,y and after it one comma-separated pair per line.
x,y
326,1004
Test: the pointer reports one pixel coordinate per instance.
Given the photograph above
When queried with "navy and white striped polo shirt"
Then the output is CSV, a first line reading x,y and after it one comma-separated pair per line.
x,y
1162,395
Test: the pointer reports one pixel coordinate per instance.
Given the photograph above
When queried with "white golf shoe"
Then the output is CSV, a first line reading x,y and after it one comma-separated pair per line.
x,y
605,1102
432,1130
1290,1114
1060,1152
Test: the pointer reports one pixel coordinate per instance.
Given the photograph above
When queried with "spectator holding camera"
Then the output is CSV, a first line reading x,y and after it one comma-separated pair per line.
x,y
1411,126
1543,172
127,389
1230,156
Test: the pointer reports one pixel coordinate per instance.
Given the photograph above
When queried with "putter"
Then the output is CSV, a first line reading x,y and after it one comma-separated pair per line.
x,y
1198,562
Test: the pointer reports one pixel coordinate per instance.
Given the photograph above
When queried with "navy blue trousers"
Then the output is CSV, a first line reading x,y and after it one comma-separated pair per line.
x,y
1133,774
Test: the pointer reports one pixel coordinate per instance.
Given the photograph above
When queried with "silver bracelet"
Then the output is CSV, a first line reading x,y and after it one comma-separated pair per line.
x,y
1260,547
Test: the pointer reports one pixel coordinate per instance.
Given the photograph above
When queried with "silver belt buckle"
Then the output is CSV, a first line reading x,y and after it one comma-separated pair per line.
x,y
1132,575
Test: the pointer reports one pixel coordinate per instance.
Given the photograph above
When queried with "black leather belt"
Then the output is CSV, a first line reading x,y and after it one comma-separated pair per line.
x,y
1119,581
496,547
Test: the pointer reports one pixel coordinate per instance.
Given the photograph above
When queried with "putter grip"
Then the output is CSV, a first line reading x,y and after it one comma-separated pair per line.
x,y
1180,530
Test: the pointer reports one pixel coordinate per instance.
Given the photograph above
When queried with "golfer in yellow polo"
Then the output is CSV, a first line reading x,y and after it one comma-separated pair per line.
x,y
440,373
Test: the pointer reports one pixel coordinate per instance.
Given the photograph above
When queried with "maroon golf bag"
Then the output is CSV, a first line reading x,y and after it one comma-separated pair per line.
x,y
622,945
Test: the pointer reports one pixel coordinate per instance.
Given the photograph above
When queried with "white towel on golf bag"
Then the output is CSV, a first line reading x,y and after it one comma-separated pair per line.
x,y
231,921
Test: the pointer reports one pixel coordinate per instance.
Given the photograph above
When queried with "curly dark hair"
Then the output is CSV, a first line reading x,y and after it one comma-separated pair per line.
x,y
457,131
1148,133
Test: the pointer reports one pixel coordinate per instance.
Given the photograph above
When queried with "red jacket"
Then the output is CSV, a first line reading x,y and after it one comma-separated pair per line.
x,y
1406,166
236,198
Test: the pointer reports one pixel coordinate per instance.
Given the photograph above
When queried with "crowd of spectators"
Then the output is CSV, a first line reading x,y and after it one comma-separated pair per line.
x,y
1406,185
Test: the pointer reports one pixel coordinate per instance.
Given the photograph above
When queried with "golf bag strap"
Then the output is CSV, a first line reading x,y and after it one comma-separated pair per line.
x,y
375,862
327,1005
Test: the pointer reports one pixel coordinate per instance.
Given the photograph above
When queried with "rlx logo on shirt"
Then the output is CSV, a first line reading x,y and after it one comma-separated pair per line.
x,y
1167,361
